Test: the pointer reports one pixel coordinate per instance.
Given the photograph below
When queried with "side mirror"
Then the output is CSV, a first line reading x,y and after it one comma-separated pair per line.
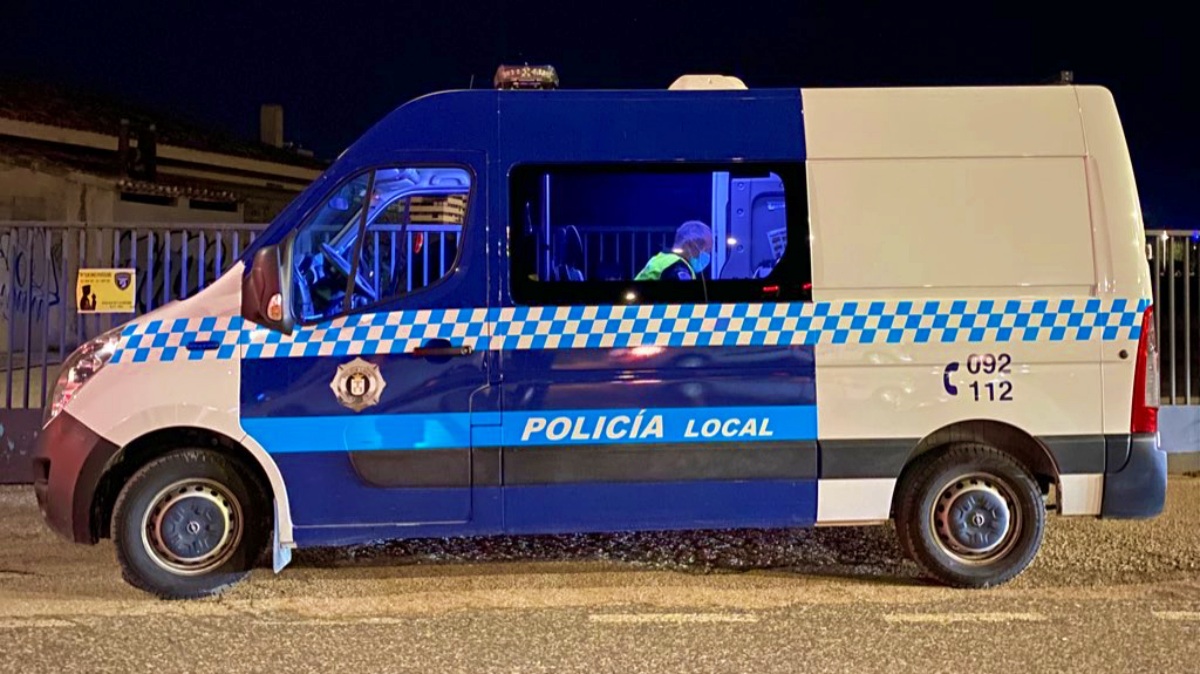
x,y
264,288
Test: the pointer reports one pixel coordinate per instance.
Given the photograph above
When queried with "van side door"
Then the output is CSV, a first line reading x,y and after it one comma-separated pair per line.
x,y
677,402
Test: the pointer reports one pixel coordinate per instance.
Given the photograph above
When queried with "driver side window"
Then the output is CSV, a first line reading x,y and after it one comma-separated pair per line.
x,y
358,250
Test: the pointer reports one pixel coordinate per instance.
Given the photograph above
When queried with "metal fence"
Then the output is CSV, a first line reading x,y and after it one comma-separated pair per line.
x,y
1174,259
39,323
39,261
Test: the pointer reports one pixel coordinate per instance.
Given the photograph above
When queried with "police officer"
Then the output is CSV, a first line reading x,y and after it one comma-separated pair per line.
x,y
686,259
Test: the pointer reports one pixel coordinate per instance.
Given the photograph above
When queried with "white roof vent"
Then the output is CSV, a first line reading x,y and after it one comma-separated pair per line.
x,y
701,82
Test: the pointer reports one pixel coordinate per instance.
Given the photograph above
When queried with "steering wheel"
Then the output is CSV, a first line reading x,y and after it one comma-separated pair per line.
x,y
343,266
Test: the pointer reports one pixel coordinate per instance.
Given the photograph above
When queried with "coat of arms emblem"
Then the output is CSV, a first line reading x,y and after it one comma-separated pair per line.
x,y
358,384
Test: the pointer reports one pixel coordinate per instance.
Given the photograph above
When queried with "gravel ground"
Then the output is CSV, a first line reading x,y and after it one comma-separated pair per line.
x,y
865,551
1102,596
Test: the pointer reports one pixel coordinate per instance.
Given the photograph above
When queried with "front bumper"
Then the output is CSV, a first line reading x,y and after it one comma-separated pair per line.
x,y
67,466
1136,488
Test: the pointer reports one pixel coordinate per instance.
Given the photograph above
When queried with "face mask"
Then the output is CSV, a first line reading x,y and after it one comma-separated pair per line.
x,y
700,263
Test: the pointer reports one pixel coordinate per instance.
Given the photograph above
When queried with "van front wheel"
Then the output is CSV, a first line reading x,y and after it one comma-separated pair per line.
x,y
189,524
970,516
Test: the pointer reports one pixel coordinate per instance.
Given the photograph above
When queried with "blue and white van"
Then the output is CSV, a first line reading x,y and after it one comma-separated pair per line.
x,y
509,312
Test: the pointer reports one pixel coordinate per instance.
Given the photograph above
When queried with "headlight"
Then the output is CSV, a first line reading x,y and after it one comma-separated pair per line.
x,y
80,367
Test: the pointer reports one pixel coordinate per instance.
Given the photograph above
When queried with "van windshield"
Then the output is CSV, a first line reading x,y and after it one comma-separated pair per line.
x,y
399,210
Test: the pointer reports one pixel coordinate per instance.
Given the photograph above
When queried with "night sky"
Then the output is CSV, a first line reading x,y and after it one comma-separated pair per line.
x,y
338,66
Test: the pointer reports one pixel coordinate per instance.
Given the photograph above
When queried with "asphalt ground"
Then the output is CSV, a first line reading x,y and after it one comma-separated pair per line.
x,y
1103,596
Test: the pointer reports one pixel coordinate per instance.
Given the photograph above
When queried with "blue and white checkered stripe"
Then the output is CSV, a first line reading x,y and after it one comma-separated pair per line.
x,y
396,332
871,322
160,340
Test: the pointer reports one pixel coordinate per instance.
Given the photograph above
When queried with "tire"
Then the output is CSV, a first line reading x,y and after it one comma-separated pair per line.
x,y
970,516
190,524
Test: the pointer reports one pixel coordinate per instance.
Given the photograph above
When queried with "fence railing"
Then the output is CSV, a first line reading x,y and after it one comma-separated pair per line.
x,y
39,261
1174,259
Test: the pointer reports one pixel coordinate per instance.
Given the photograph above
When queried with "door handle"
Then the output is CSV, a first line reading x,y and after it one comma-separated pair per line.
x,y
441,348
208,345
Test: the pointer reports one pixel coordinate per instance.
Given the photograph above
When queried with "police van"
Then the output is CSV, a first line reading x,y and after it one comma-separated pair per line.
x,y
707,306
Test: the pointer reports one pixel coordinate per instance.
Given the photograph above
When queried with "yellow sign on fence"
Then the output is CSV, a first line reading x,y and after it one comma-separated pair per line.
x,y
105,291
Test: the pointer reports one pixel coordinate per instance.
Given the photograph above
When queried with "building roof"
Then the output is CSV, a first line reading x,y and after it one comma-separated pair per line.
x,y
83,111
40,154
44,156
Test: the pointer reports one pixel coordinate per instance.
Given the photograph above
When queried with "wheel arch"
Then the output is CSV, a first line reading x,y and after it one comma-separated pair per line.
x,y
151,445
1016,442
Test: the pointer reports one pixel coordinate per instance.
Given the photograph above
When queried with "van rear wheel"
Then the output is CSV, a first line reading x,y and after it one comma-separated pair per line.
x,y
189,524
970,516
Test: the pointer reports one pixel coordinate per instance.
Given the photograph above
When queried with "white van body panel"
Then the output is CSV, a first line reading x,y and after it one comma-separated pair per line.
x,y
854,501
180,393
941,123
954,225
981,194
1082,494
1117,216
898,391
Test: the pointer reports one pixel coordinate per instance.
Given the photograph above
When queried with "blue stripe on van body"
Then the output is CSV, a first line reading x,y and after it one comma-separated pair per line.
x,y
325,491
749,376
659,506
547,509
294,435
301,387
581,378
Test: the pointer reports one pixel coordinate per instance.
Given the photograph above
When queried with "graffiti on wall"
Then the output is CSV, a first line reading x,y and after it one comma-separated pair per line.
x,y
36,289
30,284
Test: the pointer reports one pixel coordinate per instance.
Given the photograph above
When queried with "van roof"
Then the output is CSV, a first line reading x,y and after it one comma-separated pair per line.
x,y
570,125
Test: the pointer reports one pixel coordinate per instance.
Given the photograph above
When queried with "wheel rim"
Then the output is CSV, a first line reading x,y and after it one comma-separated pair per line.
x,y
192,526
976,519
